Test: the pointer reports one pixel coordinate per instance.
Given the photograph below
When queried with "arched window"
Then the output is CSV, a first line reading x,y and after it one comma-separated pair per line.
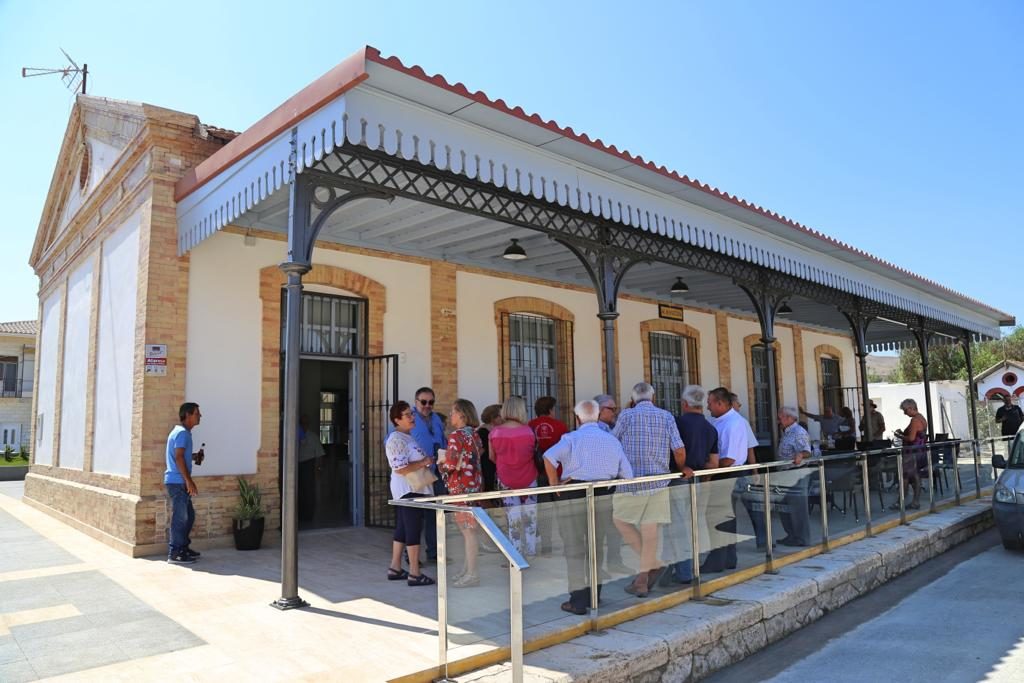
x,y
536,351
758,388
670,360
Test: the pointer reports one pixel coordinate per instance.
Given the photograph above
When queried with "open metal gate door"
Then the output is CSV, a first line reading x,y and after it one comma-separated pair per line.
x,y
380,392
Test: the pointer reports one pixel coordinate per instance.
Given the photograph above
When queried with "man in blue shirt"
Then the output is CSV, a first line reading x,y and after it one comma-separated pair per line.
x,y
701,442
429,435
180,486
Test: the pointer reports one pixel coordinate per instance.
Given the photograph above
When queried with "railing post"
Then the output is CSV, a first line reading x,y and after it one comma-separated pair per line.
x,y
956,471
976,447
694,543
866,486
899,478
515,585
930,452
442,591
592,555
823,501
768,554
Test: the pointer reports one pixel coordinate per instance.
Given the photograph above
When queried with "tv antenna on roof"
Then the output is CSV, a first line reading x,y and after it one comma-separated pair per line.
x,y
73,76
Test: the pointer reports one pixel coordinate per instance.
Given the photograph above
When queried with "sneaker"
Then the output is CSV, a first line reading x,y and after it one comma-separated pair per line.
x,y
467,580
180,557
192,553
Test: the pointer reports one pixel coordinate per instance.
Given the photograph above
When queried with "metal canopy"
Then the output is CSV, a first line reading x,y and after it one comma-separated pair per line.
x,y
469,173
417,228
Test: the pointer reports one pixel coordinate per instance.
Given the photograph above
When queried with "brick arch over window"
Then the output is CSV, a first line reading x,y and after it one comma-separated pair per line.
x,y
272,279
826,351
749,342
565,320
672,327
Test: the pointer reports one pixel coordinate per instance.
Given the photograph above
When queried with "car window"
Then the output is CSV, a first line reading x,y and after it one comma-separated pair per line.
x,y
1017,454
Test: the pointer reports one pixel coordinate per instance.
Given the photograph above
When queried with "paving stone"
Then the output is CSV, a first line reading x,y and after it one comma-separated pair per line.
x,y
775,592
682,634
717,618
17,672
10,651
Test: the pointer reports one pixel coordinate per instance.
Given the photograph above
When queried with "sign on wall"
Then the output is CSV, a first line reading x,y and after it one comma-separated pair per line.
x,y
156,359
670,312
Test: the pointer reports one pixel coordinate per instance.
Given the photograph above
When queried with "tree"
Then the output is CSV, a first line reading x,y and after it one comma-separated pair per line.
x,y
948,362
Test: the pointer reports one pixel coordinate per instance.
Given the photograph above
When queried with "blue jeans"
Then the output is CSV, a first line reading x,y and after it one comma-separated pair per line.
x,y
183,516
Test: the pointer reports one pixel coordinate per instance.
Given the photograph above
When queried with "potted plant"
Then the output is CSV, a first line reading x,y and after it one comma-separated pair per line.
x,y
247,524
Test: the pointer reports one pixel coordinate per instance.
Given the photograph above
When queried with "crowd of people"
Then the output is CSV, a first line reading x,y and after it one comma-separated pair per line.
x,y
504,450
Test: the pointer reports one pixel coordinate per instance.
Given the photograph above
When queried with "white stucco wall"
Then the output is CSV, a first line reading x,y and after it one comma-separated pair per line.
x,y
76,364
948,395
994,380
115,350
631,353
224,361
738,329
47,389
478,335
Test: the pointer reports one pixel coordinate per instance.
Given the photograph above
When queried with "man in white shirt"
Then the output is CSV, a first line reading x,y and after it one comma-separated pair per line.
x,y
732,452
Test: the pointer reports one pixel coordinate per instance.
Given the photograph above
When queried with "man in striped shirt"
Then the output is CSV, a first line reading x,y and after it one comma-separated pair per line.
x,y
650,438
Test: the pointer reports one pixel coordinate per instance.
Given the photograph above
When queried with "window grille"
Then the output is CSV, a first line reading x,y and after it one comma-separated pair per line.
x,y
538,361
330,325
762,417
673,366
9,377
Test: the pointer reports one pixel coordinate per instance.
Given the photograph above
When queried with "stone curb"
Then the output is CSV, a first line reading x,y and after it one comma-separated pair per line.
x,y
692,640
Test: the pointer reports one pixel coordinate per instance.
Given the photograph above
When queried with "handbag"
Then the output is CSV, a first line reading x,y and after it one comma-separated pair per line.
x,y
421,478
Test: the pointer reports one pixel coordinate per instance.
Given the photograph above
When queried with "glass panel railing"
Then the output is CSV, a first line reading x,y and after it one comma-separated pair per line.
x,y
942,456
556,589
637,537
844,496
884,476
793,526
737,531
677,537
477,586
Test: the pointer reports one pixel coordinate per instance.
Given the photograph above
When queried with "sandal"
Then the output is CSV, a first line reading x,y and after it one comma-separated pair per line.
x,y
421,580
397,574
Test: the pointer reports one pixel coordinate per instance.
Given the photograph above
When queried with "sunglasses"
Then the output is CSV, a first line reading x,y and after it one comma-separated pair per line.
x,y
406,413
425,403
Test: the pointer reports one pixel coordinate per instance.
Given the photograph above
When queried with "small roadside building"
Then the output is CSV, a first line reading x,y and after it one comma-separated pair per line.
x,y
17,371
1002,380
425,235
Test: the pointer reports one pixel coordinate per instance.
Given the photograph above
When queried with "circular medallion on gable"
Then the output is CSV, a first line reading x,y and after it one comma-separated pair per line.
x,y
1009,379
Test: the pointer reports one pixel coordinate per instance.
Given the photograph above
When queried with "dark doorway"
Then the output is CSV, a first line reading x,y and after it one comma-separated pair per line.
x,y
326,453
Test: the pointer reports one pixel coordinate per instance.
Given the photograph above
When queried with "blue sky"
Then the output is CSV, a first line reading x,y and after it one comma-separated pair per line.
x,y
895,127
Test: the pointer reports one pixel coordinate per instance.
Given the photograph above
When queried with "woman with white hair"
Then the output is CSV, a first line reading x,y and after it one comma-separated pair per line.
x,y
512,447
915,455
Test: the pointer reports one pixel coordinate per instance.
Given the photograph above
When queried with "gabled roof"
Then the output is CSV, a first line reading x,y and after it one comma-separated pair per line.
x,y
22,327
391,75
1001,366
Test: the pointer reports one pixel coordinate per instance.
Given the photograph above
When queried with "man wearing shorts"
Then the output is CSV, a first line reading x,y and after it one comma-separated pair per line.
x,y
649,437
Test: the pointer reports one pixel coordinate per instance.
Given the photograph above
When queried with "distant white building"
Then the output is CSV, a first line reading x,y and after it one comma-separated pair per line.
x,y
951,410
17,368
1002,379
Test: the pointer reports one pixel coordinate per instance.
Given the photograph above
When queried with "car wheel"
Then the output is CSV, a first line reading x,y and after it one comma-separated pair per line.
x,y
1012,543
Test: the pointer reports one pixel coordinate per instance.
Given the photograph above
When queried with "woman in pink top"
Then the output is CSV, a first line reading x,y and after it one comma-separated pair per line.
x,y
512,447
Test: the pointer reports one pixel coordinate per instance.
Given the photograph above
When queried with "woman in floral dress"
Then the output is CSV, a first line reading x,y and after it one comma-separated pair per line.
x,y
462,475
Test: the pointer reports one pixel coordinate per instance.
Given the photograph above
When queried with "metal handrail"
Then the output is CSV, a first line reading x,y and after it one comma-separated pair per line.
x,y
517,563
